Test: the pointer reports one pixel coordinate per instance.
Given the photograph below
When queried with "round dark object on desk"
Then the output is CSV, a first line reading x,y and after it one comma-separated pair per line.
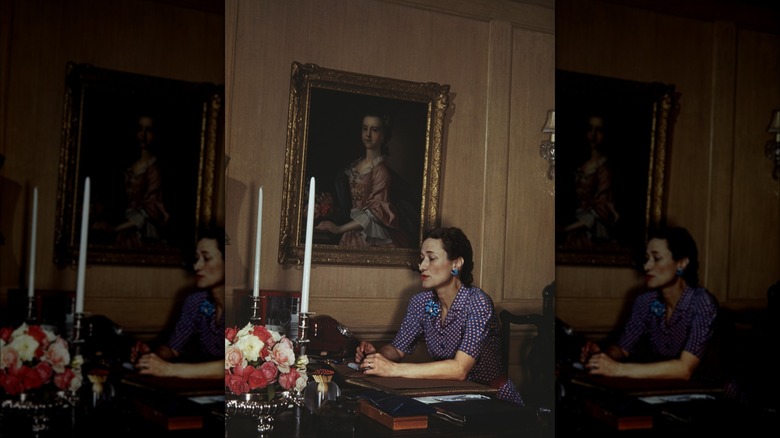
x,y
330,339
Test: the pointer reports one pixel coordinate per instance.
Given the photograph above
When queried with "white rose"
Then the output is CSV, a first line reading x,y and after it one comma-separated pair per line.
x,y
25,345
250,347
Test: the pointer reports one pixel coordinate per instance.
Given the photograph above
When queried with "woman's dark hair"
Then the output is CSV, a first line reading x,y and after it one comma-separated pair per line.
x,y
456,244
387,126
216,233
681,245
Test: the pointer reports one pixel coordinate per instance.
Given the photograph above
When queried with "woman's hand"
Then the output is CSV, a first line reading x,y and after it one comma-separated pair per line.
x,y
329,227
363,350
153,365
603,365
137,350
590,348
376,364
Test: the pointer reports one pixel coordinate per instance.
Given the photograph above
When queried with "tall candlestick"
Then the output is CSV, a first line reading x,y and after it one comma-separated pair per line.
x,y
33,234
256,290
82,249
307,250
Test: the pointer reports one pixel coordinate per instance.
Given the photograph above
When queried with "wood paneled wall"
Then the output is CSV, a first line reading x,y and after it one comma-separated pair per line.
x,y
720,183
156,38
494,186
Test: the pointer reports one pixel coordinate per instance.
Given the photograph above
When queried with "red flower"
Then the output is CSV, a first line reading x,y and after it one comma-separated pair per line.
x,y
256,379
30,378
63,380
236,384
12,385
44,370
230,334
5,333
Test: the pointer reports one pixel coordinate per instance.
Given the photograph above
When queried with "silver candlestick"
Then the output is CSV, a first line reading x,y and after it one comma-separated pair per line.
x,y
256,318
31,317
78,333
303,326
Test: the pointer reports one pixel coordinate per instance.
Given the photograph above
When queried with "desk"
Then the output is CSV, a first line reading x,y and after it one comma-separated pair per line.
x,y
588,400
300,423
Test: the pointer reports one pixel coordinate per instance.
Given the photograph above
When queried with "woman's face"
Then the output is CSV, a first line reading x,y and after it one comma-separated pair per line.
x,y
434,266
372,132
145,132
595,134
660,267
209,265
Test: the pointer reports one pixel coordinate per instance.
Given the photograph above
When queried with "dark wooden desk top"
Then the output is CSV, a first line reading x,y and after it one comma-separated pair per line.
x,y
339,419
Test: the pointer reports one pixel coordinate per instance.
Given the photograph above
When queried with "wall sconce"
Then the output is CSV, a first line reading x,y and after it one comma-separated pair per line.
x,y
547,150
772,147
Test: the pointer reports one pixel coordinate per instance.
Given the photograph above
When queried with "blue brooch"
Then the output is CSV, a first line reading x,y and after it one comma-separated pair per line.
x,y
658,308
207,308
432,308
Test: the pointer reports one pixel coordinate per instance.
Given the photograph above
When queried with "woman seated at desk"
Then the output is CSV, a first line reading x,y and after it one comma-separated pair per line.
x,y
202,318
675,315
456,319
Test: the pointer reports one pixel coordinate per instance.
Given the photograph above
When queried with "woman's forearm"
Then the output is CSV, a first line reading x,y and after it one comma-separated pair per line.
x,y
204,370
449,369
681,368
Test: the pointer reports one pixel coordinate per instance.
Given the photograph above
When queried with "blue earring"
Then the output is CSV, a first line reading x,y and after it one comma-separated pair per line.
x,y
680,272
455,272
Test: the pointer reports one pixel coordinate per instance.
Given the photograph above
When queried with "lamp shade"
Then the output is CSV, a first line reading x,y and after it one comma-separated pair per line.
x,y
774,125
549,125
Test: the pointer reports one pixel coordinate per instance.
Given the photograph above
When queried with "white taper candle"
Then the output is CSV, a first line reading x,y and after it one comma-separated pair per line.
x,y
307,250
33,235
82,249
256,290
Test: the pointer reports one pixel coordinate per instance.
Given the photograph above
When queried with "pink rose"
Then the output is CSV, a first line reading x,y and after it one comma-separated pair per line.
x,y
288,380
63,380
233,357
9,358
57,355
230,334
236,384
283,355
269,371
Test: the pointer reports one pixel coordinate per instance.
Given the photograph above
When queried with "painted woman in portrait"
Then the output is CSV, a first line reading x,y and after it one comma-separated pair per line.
x,y
366,185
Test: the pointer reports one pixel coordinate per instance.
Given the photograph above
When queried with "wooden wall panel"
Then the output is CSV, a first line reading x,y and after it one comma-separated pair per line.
x,y
755,232
497,57
726,78
151,38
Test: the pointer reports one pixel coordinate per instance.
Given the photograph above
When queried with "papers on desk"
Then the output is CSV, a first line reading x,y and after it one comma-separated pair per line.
x,y
208,399
451,398
673,398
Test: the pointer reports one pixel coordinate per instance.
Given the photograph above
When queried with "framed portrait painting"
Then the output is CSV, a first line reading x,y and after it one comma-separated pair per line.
x,y
374,148
613,139
150,148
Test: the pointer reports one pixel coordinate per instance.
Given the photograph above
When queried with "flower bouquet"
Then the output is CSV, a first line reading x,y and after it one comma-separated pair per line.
x,y
261,373
38,378
34,359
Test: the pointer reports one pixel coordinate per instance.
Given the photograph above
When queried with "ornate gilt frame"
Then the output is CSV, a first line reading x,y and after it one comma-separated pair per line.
x,y
316,94
638,120
97,141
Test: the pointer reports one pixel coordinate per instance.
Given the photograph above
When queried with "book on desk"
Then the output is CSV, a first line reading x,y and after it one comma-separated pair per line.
x,y
174,403
410,387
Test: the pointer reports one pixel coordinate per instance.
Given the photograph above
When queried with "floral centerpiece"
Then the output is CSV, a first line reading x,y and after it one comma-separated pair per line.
x,y
258,359
34,360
